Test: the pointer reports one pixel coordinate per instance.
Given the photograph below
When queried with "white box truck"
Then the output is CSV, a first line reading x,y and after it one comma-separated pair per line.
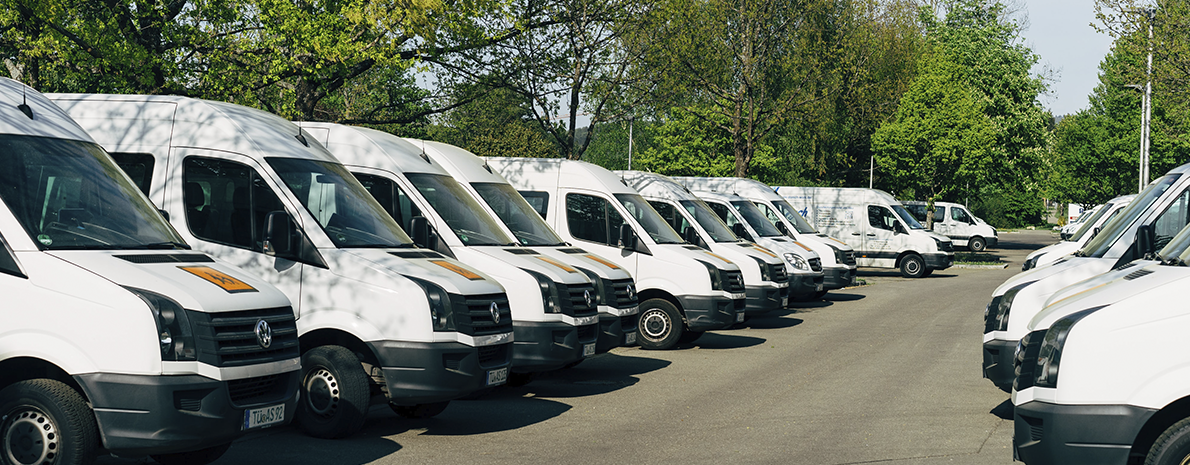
x,y
615,290
956,222
378,317
838,258
113,334
554,314
684,290
765,281
1051,253
871,221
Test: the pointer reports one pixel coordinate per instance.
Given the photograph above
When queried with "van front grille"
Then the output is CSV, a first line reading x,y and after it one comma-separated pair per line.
x,y
623,292
230,339
575,298
473,314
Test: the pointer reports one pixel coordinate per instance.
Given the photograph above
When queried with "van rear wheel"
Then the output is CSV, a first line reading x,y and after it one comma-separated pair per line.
x,y
1172,447
977,244
46,421
334,393
660,326
913,266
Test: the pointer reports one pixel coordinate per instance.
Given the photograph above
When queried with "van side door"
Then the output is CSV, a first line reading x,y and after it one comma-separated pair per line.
x,y
879,235
595,224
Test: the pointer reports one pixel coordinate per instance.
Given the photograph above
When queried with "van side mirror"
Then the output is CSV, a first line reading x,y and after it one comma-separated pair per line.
x,y
691,235
741,231
1145,239
784,229
164,214
423,235
278,234
627,237
899,228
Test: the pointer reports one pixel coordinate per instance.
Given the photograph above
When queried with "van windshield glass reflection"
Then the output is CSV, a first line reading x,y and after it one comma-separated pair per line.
x,y
517,214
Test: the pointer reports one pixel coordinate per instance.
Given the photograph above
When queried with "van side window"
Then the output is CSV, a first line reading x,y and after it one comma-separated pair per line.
x,y
940,214
593,219
960,215
138,166
226,202
391,197
671,215
768,213
880,217
918,211
537,199
1172,220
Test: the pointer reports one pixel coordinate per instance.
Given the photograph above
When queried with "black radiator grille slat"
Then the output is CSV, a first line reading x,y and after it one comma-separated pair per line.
x,y
623,292
258,389
777,272
1138,274
574,302
229,338
494,355
167,258
733,281
947,246
473,314
816,264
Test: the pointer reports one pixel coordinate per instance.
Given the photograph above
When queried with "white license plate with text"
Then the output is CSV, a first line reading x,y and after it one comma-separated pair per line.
x,y
497,376
588,350
264,416
630,338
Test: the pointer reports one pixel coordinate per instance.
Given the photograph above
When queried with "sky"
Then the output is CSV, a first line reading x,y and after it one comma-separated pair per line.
x,y
1060,32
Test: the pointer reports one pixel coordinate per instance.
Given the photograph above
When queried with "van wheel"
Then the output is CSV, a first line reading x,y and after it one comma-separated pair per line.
x,y
1172,447
420,411
660,325
334,393
977,244
912,266
46,421
198,457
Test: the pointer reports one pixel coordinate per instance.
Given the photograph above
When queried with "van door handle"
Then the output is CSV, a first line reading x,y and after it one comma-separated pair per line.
x,y
854,234
871,235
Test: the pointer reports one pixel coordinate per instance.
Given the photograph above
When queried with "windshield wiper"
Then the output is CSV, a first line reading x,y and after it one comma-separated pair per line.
x,y
167,245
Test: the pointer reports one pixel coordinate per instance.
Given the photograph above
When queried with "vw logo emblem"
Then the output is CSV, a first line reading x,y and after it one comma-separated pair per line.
x,y
587,297
495,309
739,280
264,334
631,291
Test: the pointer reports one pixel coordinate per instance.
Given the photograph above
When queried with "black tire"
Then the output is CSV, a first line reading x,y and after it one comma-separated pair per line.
x,y
334,393
977,244
912,266
660,326
198,457
927,273
1172,447
689,336
420,411
47,422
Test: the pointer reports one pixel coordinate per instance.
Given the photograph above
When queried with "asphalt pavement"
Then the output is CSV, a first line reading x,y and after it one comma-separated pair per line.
x,y
887,373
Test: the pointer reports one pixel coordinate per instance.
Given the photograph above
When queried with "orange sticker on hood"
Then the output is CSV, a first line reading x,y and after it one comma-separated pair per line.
x,y
602,261
803,246
764,251
219,278
457,269
557,264
720,258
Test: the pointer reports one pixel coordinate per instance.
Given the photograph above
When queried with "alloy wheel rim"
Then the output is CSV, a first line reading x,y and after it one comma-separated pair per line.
x,y
322,392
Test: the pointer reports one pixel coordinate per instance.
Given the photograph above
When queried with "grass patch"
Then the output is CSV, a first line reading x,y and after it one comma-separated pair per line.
x,y
976,258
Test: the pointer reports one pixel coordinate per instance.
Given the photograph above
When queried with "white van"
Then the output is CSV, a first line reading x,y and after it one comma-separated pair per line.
x,y
615,290
744,218
765,280
878,227
956,222
1078,221
554,314
684,290
376,314
114,334
838,258
1145,225
1079,398
1096,221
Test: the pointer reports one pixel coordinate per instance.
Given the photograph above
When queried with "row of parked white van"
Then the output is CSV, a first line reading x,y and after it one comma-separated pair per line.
x,y
1090,338
208,269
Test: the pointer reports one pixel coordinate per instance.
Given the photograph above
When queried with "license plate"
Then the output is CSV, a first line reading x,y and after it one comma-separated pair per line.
x,y
818,287
739,318
264,416
497,376
588,350
784,301
630,339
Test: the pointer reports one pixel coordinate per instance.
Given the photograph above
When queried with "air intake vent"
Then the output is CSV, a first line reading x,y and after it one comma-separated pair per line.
x,y
575,250
167,258
417,254
521,251
1138,274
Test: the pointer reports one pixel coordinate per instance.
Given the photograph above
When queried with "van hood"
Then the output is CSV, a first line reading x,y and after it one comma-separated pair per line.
x,y
193,279
379,267
1106,289
528,258
575,256
1047,249
1086,267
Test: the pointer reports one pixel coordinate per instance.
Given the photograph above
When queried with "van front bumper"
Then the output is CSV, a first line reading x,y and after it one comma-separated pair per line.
x,y
428,372
938,261
544,346
838,277
998,355
1048,433
616,331
764,299
144,414
710,313
803,285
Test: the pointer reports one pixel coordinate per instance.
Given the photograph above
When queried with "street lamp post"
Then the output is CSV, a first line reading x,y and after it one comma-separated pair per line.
x,y
1146,105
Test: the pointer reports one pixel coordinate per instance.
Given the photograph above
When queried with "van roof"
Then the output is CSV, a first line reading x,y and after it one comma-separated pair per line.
x,y
548,173
133,122
743,187
359,146
469,166
47,119
655,185
838,195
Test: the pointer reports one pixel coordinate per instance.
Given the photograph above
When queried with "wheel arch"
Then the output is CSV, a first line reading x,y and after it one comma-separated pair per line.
x,y
338,337
904,254
18,369
1174,412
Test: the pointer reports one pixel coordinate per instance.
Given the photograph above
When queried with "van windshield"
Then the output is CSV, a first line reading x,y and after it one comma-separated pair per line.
x,y
1090,223
517,214
649,219
709,220
1175,253
458,208
756,219
1111,231
70,195
799,222
343,208
907,217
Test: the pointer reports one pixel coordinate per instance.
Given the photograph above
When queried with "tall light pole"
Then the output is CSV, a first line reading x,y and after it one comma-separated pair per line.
x,y
1146,104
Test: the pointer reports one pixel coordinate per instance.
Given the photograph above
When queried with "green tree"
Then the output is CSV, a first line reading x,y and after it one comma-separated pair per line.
x,y
493,122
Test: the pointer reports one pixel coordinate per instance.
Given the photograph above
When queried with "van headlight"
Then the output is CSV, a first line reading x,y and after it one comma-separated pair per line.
x,y
1000,322
797,261
1049,356
441,310
550,301
713,271
174,333
765,274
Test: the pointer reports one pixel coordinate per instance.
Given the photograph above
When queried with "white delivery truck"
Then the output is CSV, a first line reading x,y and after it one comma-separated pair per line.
x,y
838,258
956,222
878,227
113,333
554,314
1100,377
744,218
615,290
765,281
1146,224
684,290
1051,253
376,315
1078,217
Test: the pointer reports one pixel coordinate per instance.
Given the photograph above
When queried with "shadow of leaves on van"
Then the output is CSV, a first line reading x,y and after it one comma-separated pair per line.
x,y
716,340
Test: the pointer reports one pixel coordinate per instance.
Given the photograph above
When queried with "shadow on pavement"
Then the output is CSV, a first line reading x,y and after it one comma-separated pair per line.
x,y
843,297
795,306
770,321
714,341
289,445
1004,410
598,375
